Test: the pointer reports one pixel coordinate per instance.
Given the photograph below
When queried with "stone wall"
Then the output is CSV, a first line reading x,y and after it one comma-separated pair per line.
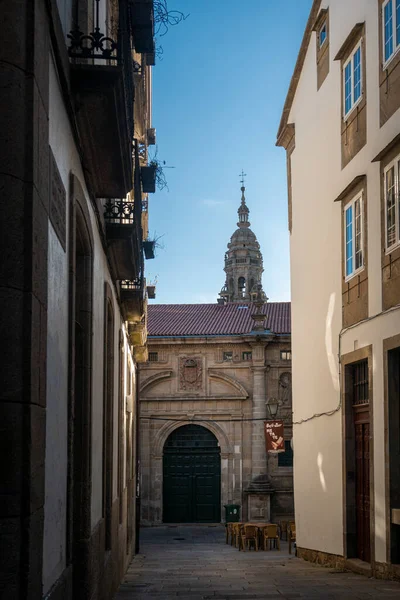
x,y
190,380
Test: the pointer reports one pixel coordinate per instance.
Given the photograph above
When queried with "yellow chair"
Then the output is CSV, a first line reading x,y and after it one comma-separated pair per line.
x,y
249,534
291,534
235,537
271,534
283,526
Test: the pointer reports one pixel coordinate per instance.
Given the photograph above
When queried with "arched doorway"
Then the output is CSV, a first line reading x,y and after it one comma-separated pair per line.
x,y
192,476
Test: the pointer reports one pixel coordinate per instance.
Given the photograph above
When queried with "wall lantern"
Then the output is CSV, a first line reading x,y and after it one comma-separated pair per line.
x,y
272,407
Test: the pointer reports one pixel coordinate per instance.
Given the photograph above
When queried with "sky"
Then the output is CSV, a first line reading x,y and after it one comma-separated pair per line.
x,y
218,95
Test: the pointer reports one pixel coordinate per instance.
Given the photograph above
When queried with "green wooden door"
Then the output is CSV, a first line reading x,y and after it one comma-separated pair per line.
x,y
192,475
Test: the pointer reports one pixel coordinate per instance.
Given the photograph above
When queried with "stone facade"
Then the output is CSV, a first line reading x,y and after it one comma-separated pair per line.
x,y
221,382
225,396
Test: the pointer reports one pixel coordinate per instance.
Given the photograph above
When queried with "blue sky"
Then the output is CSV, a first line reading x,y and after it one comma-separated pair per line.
x,y
218,94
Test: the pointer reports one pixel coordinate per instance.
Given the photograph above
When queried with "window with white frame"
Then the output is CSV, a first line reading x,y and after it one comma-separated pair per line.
x,y
323,33
353,237
392,204
352,80
391,29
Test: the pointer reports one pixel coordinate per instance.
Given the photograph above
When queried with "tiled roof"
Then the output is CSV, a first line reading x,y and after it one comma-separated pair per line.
x,y
214,319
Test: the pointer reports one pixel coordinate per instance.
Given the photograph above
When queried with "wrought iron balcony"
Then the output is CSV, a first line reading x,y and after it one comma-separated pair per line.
x,y
124,237
133,295
102,82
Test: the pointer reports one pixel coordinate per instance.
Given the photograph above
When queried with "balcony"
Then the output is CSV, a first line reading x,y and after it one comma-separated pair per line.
x,y
124,237
132,294
142,20
103,90
138,333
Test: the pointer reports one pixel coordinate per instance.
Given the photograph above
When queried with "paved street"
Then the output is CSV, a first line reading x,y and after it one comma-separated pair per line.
x,y
194,562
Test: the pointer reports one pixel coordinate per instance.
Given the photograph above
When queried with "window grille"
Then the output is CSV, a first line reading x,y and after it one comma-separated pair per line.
x,y
286,355
360,383
153,356
247,355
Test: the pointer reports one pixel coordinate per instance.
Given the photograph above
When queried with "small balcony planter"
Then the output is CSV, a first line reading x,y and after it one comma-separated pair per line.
x,y
148,175
151,292
148,248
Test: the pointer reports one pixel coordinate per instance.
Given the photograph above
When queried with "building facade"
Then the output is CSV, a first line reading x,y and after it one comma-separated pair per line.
x,y
203,394
345,268
75,107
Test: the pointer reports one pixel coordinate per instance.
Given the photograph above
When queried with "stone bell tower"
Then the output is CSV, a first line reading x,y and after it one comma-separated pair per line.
x,y
243,260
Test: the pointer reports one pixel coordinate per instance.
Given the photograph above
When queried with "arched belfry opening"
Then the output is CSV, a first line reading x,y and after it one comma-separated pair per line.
x,y
242,287
192,476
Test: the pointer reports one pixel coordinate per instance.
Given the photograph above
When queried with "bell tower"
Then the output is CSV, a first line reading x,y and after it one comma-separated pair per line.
x,y
243,259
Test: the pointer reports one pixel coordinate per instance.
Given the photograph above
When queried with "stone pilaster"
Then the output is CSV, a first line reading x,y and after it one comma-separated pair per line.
x,y
258,453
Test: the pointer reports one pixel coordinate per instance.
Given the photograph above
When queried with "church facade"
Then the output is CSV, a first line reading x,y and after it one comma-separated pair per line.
x,y
212,372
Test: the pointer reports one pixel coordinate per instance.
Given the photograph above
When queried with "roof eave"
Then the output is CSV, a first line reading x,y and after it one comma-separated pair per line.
x,y
297,70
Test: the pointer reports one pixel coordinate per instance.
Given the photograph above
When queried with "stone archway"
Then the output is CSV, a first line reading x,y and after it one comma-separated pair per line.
x,y
191,476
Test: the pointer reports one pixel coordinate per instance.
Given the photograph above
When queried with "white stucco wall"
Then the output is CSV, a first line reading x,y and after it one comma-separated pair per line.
x,y
54,549
316,254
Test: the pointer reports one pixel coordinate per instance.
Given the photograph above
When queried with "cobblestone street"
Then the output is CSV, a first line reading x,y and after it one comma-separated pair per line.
x,y
194,562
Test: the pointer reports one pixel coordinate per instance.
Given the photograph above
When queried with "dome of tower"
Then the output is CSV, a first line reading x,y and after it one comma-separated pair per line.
x,y
242,235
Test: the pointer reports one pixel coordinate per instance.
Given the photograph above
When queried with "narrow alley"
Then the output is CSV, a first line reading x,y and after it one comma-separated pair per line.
x,y
193,562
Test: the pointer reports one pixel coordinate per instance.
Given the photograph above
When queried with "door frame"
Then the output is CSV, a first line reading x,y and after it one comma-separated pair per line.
x,y
193,452
348,444
388,344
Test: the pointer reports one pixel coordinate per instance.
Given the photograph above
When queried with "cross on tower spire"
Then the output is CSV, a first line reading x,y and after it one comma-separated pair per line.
x,y
242,176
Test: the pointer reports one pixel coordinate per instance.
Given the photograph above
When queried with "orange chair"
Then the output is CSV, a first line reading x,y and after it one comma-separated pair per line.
x,y
291,534
249,534
271,535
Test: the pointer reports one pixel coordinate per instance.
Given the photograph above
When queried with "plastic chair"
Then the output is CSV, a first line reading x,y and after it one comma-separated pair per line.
x,y
235,537
249,534
283,526
271,534
229,532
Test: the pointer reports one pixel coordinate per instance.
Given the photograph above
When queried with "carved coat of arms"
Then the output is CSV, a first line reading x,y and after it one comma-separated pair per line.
x,y
190,374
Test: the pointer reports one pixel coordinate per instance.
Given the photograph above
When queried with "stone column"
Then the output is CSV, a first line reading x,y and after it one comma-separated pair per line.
x,y
258,453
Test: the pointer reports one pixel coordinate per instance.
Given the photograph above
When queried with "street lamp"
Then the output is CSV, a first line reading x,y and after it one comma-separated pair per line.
x,y
272,407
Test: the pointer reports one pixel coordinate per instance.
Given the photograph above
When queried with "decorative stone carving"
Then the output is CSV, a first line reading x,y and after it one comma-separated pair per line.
x,y
190,373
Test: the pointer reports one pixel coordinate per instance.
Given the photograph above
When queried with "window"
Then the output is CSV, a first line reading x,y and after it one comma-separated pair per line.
x,y
359,373
286,355
391,29
153,356
353,227
285,459
323,32
247,355
352,80
392,203
228,356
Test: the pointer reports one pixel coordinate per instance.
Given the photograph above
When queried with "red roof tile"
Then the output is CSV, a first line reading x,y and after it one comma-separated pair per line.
x,y
214,319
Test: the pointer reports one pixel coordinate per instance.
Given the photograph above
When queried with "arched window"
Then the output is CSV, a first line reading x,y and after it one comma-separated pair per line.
x,y
242,286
